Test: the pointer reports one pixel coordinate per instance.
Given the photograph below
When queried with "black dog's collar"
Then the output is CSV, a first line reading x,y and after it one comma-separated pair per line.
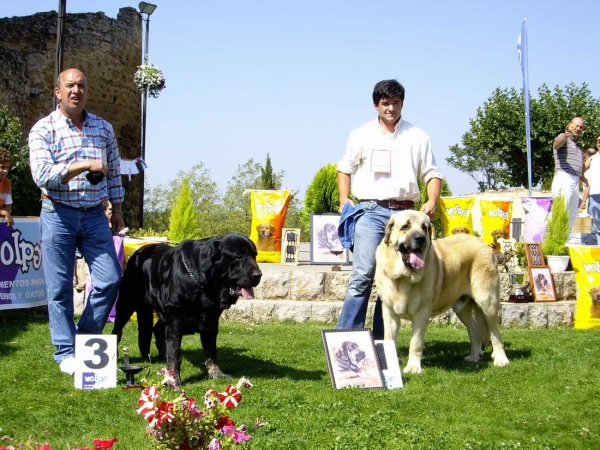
x,y
189,271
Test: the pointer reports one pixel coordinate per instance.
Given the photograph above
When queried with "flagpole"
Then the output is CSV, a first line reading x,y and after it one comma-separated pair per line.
x,y
522,53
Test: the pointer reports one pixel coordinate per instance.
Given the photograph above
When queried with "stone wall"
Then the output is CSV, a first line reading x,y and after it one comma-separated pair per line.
x,y
107,50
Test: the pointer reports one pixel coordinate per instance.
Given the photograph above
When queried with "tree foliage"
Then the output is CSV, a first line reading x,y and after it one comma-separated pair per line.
x,y
205,196
445,192
267,179
494,151
322,195
184,219
216,213
25,194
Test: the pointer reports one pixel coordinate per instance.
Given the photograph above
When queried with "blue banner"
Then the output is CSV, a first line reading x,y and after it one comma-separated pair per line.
x,y
522,54
21,276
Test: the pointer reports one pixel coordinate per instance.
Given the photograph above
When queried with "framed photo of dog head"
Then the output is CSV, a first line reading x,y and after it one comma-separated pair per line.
x,y
352,359
542,284
325,244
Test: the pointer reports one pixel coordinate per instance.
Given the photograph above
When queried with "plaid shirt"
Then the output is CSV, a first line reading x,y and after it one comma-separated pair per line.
x,y
55,143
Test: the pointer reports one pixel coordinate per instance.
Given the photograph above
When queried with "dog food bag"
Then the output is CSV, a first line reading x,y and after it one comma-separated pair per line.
x,y
269,209
455,214
495,220
586,263
536,211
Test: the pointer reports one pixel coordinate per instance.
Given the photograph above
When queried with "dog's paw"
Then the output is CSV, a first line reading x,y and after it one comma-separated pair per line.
x,y
214,373
500,360
412,366
474,357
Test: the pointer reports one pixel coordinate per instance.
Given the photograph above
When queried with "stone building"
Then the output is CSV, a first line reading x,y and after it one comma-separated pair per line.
x,y
107,50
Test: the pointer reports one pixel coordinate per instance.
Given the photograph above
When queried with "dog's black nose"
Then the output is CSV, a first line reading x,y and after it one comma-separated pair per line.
x,y
255,277
419,239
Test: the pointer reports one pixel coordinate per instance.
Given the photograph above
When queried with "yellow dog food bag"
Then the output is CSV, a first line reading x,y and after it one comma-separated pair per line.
x,y
269,209
495,219
456,214
586,263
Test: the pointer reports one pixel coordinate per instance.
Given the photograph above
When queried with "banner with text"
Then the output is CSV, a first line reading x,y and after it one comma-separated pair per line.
x,y
21,276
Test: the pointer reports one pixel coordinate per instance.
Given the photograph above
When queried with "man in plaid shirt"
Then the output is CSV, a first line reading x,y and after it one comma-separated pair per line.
x,y
75,161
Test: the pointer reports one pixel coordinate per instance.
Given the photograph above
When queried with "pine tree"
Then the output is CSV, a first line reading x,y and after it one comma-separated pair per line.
x,y
267,180
184,218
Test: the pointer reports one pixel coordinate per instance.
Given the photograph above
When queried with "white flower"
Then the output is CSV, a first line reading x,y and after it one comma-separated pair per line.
x,y
149,78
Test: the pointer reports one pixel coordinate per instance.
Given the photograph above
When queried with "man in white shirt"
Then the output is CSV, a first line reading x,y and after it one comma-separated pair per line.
x,y
386,157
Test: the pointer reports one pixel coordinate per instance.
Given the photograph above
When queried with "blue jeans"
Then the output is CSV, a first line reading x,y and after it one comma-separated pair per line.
x,y
368,233
594,211
62,230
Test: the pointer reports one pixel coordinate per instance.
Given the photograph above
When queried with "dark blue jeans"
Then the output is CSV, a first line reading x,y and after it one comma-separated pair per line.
x,y
62,230
368,233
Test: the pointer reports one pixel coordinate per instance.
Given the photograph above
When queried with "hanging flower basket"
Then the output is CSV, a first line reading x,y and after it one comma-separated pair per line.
x,y
149,78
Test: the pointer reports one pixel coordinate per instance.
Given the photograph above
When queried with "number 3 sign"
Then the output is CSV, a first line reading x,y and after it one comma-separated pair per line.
x,y
96,357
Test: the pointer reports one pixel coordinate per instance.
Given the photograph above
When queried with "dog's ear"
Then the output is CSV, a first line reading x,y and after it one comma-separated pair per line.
x,y
342,353
210,254
388,231
272,228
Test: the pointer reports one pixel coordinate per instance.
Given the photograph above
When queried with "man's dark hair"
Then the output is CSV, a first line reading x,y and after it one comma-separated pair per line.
x,y
387,89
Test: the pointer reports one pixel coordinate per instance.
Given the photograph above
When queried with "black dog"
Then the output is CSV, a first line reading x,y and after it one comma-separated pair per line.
x,y
189,287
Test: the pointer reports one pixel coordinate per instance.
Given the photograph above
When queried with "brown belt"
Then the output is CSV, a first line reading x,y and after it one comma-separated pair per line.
x,y
84,208
394,204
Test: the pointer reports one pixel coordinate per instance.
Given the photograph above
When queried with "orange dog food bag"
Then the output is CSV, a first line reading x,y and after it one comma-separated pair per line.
x,y
269,209
495,219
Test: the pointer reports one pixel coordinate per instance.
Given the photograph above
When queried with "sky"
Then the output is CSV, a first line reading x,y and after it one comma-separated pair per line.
x,y
292,79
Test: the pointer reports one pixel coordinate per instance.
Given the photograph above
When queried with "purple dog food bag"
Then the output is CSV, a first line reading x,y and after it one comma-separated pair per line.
x,y
536,212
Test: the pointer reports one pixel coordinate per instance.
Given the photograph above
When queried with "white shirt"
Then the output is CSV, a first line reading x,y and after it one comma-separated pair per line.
x,y
410,156
593,174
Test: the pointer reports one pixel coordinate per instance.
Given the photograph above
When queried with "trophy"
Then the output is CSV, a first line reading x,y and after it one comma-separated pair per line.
x,y
517,281
336,250
129,371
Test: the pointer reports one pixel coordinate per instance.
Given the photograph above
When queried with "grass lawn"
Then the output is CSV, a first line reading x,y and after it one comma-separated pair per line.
x,y
547,398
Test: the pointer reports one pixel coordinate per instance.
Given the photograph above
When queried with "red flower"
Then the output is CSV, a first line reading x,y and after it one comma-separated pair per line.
x,y
231,397
164,412
100,444
224,421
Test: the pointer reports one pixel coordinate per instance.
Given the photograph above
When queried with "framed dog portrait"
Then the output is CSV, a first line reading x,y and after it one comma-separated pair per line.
x,y
542,284
352,359
325,245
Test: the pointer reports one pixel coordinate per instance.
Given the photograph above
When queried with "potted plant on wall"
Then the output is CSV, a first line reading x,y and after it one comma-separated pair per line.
x,y
554,243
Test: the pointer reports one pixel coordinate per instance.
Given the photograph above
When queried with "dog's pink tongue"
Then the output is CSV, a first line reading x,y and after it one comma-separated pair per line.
x,y
416,260
248,293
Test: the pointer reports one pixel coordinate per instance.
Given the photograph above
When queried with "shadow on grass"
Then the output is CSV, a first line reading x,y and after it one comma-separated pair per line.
x,y
451,355
14,322
237,364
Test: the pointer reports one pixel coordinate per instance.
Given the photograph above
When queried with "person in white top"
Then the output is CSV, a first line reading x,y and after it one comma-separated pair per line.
x,y
386,156
592,191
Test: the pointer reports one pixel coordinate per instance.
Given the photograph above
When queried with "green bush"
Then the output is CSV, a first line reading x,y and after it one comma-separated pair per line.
x,y
558,229
322,195
25,194
184,219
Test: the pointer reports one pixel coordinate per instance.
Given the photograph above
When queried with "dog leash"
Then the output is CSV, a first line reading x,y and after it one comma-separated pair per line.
x,y
189,271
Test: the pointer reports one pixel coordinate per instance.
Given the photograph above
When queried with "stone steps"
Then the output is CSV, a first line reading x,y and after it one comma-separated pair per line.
x,y
534,315
315,293
308,292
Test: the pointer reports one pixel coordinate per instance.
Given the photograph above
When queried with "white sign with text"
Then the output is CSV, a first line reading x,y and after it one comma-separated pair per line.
x,y
96,358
